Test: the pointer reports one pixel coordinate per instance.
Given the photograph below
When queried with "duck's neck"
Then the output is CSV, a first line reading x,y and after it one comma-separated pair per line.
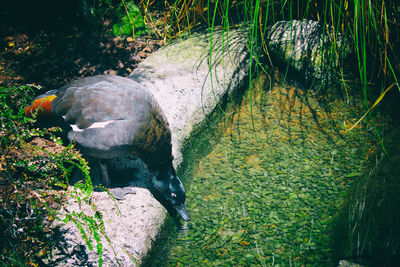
x,y
165,172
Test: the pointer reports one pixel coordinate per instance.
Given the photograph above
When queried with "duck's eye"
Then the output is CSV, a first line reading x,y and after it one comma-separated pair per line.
x,y
173,195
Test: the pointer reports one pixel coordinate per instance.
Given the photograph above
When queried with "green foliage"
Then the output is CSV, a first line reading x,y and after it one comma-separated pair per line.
x,y
23,210
12,117
130,21
30,169
123,28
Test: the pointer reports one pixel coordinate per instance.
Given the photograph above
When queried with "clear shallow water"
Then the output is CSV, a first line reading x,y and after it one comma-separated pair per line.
x,y
269,188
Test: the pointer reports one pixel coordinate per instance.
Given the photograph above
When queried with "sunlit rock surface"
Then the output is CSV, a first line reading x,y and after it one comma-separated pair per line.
x,y
308,48
179,77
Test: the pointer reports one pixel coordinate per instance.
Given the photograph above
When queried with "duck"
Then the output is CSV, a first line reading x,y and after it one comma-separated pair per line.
x,y
119,127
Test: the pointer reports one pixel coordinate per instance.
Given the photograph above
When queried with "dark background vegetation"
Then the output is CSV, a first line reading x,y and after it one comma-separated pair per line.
x,y
48,43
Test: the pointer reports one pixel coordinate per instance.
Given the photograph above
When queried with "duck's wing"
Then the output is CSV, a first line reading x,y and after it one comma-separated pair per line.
x,y
112,116
101,98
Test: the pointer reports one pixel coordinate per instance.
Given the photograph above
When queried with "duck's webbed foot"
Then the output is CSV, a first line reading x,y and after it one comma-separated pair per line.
x,y
120,192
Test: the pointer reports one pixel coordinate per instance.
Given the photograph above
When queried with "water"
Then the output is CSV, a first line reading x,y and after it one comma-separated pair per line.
x,y
274,177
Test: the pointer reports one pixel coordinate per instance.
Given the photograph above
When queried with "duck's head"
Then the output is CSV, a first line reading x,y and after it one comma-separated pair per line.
x,y
169,191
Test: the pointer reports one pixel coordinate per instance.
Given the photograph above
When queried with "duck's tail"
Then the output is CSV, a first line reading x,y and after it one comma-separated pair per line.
x,y
41,105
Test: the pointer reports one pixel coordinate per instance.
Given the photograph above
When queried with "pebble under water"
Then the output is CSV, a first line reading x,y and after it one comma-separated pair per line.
x,y
268,191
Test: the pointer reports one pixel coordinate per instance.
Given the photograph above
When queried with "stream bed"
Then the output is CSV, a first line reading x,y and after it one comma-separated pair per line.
x,y
266,183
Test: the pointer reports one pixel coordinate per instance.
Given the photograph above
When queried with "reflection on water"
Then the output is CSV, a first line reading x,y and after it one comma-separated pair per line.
x,y
276,172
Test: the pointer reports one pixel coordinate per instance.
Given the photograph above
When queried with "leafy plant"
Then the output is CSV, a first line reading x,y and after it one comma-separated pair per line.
x,y
131,22
32,169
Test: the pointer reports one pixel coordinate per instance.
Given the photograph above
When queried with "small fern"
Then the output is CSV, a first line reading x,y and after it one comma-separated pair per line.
x,y
32,169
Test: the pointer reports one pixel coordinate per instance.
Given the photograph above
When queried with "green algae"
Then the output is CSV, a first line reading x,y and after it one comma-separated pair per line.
x,y
268,195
